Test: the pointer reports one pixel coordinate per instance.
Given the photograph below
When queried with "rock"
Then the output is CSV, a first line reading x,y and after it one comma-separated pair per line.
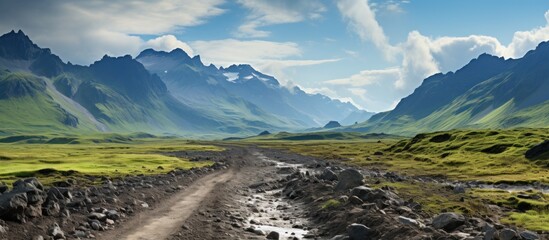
x,y
489,231
13,206
459,189
508,234
356,200
109,221
96,225
273,235
51,209
328,175
259,232
448,221
409,221
99,216
113,214
2,229
56,232
39,237
80,234
358,232
529,235
3,188
349,178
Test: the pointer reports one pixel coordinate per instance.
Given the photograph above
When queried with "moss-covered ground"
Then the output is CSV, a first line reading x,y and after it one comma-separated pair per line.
x,y
54,158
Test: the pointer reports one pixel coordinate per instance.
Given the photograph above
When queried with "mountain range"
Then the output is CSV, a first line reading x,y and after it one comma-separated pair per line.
x,y
157,92
488,92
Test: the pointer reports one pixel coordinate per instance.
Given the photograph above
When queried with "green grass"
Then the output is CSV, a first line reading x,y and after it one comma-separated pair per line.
x,y
99,155
332,203
285,136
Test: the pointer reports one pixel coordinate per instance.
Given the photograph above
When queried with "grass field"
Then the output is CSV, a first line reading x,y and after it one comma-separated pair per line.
x,y
52,158
486,155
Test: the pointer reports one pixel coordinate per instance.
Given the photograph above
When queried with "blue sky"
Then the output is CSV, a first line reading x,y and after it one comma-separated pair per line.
x,y
371,53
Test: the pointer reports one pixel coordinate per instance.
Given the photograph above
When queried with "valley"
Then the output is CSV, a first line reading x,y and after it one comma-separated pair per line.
x,y
246,189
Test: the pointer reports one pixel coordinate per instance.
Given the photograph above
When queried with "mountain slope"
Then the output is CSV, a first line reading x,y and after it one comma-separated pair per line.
x,y
114,94
241,93
489,92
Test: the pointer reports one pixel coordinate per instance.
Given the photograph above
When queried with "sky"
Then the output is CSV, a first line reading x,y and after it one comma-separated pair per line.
x,y
371,53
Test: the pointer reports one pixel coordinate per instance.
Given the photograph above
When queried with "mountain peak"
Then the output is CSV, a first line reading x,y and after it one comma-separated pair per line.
x,y
176,53
17,45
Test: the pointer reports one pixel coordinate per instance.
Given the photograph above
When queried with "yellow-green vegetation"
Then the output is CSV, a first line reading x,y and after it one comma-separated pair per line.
x,y
531,207
485,155
492,156
55,158
332,203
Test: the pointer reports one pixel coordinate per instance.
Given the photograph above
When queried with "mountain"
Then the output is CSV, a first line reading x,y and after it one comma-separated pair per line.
x,y
488,92
40,92
157,92
357,117
241,93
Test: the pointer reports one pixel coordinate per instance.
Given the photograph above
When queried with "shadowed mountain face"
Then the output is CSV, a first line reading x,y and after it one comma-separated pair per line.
x,y
158,92
489,92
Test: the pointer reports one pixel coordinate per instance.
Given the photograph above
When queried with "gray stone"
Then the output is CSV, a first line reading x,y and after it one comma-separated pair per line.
x,y
259,232
80,234
2,229
409,221
529,235
13,206
39,237
273,235
508,234
358,232
56,232
328,175
98,216
96,225
489,232
448,221
356,200
349,179
459,189
113,214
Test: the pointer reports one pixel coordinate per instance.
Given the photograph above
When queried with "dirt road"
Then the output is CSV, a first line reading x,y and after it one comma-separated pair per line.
x,y
167,218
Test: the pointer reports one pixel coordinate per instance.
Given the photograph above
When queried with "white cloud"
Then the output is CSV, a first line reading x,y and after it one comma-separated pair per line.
x,y
168,43
367,77
83,31
267,12
421,55
362,21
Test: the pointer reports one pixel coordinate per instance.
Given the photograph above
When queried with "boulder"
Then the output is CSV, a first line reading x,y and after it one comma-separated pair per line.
x,y
489,232
348,179
13,206
448,221
273,235
113,214
98,216
56,232
508,234
358,232
328,175
367,194
529,235
3,188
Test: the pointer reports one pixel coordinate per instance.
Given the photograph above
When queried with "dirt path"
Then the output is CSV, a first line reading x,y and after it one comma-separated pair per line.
x,y
167,218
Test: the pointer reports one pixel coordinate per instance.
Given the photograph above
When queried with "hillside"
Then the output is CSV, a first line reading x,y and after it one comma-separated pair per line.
x,y
488,92
158,92
241,93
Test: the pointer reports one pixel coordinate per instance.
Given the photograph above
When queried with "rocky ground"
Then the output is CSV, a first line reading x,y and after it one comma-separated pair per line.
x,y
250,193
